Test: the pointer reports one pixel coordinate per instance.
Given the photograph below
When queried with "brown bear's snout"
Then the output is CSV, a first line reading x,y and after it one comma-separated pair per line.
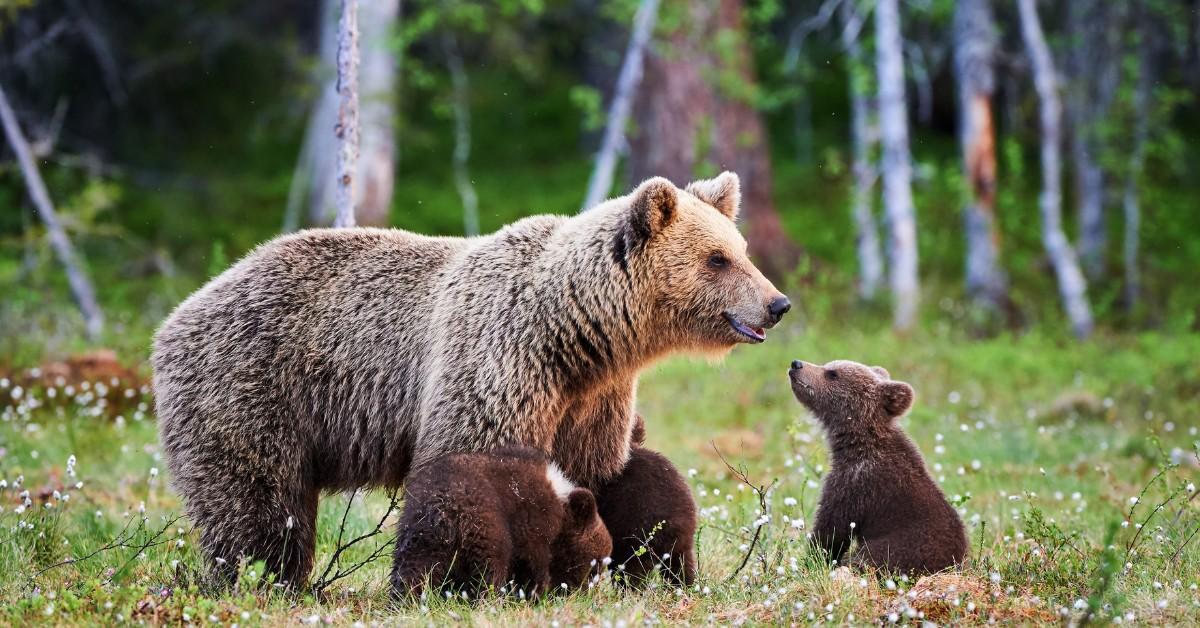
x,y
777,308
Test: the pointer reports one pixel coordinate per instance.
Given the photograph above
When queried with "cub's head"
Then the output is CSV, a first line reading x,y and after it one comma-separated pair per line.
x,y
688,259
845,395
583,545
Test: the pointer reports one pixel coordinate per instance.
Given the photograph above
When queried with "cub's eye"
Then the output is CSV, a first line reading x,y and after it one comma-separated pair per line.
x,y
830,374
717,260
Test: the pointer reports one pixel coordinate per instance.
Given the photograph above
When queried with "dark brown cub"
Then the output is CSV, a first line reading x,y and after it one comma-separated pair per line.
x,y
878,492
650,504
474,522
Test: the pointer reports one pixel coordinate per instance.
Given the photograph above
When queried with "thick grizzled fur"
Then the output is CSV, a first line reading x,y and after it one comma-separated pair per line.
x,y
650,493
878,482
484,520
339,358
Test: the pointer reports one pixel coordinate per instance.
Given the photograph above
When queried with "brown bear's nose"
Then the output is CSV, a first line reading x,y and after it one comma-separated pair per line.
x,y
797,364
778,307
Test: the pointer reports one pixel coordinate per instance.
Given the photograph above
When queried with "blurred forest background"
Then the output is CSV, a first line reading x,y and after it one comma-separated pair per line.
x,y
895,156
959,191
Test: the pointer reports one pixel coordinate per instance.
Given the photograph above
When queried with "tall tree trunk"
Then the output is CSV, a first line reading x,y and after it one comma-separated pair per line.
x,y
347,122
1131,202
315,180
1071,283
81,286
376,171
741,146
685,113
897,167
1093,72
974,55
600,183
461,88
870,257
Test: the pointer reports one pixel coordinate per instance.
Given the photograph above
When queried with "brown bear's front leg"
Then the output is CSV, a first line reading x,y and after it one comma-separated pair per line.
x,y
591,444
832,534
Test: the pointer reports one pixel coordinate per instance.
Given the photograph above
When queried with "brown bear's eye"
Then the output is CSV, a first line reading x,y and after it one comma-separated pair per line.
x,y
717,260
830,374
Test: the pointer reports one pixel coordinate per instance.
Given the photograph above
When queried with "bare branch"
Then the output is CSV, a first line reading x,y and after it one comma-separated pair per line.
x,y
81,286
334,564
761,492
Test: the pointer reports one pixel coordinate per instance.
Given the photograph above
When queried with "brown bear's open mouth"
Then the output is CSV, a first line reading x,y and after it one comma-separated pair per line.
x,y
755,334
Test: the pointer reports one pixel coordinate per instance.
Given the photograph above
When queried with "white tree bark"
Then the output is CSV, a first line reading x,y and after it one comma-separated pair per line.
x,y
600,183
462,136
1071,283
347,122
897,167
1131,202
974,57
1093,69
870,257
81,286
377,99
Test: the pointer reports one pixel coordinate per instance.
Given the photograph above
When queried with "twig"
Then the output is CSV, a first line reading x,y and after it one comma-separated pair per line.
x,y
334,564
761,492
121,541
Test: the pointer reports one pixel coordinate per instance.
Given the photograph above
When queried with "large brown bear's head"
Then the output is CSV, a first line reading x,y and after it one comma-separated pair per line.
x,y
583,544
690,257
848,397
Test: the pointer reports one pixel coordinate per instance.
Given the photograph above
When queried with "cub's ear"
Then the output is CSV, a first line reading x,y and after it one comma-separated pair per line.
x,y
581,507
897,397
882,372
654,206
638,436
723,192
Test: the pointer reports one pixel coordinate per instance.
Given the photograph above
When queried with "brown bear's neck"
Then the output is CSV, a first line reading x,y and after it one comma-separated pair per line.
x,y
596,323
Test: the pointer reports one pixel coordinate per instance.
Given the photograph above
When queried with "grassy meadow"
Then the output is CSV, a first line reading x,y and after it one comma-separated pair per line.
x,y
1073,465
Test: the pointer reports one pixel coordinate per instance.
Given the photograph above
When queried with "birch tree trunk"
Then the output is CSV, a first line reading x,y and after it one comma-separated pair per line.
x,y
974,55
376,170
601,181
1093,72
870,257
1071,283
1131,200
81,286
315,180
347,122
897,167
461,87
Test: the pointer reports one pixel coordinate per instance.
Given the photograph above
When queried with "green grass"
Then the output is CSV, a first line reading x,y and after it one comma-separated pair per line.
x,y
1043,441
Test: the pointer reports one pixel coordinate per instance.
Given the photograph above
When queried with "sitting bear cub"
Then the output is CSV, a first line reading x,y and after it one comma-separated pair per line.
x,y
878,492
478,521
649,504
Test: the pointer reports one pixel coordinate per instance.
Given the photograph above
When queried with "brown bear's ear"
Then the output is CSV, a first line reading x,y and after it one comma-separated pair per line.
x,y
581,508
882,372
723,192
897,397
654,207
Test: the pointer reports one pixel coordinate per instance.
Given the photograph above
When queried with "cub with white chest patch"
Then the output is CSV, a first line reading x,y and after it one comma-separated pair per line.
x,y
480,521
877,493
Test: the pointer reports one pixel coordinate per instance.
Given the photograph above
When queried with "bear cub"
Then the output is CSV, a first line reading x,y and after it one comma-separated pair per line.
x,y
649,504
480,521
878,492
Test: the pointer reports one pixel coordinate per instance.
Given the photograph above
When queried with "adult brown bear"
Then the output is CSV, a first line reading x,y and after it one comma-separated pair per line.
x,y
340,358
